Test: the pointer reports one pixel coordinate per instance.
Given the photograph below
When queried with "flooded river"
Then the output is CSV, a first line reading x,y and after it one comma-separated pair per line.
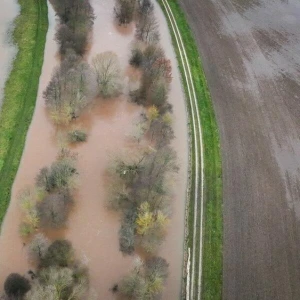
x,y
93,229
9,11
39,151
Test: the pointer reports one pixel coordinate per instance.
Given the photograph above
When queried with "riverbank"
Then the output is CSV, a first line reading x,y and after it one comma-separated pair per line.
x,y
36,154
213,228
20,91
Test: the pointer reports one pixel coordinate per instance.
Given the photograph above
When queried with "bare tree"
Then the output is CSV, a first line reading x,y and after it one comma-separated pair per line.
x,y
38,248
53,211
145,7
68,91
124,11
77,136
147,29
108,74
61,175
156,266
156,77
58,283
127,232
161,131
76,17
151,54
39,292
146,281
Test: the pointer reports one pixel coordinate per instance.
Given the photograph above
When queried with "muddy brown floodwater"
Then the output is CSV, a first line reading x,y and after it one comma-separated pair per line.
x,y
8,12
93,229
38,152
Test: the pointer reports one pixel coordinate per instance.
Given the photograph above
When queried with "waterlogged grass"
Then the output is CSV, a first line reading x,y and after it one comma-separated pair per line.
x,y
213,224
21,91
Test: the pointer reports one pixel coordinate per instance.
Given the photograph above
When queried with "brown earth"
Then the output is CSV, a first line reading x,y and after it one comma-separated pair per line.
x,y
251,56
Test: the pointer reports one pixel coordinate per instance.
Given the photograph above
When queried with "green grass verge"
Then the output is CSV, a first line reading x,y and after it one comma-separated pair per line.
x,y
21,91
213,230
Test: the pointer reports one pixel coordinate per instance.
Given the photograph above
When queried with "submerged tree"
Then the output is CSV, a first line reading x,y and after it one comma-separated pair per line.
x,y
108,74
124,11
59,254
146,281
145,7
127,232
58,283
76,18
151,227
77,136
67,94
38,248
147,29
61,175
16,286
54,209
59,275
28,199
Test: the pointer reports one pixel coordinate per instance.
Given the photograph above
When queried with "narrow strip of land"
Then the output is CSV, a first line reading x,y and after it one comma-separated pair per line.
x,y
20,91
205,209
199,163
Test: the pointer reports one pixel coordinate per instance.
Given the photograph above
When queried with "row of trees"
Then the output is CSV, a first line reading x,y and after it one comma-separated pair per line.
x,y
76,21
156,77
142,179
58,275
48,204
141,192
141,11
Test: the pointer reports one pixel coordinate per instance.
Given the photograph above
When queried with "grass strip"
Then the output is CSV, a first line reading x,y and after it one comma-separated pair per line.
x,y
213,223
20,91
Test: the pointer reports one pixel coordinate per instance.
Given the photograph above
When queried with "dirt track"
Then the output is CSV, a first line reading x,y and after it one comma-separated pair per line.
x,y
251,55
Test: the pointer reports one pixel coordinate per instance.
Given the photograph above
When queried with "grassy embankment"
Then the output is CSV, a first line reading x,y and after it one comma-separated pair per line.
x,y
213,224
21,91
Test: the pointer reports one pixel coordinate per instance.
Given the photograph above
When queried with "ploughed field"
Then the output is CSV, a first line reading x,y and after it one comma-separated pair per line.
x,y
251,55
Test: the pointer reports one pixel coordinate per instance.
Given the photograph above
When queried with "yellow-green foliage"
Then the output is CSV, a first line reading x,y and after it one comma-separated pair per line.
x,y
145,220
151,226
153,113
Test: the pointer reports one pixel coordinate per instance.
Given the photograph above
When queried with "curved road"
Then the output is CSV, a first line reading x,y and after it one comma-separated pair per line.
x,y
193,288
251,55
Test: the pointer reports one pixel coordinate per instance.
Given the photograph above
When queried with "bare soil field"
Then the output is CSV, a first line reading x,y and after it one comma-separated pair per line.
x,y
251,55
